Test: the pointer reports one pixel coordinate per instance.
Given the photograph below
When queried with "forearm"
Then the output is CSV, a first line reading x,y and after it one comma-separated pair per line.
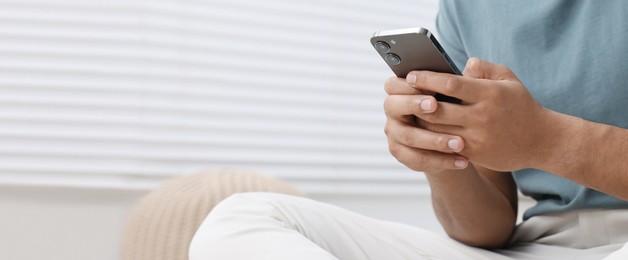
x,y
473,209
592,154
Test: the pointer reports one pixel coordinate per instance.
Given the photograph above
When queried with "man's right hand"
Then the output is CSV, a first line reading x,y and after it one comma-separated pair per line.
x,y
419,145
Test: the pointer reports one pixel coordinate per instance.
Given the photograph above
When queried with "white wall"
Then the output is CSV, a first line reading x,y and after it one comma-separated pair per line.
x,y
62,223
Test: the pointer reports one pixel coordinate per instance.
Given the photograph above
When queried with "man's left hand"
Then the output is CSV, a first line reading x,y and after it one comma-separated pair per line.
x,y
502,124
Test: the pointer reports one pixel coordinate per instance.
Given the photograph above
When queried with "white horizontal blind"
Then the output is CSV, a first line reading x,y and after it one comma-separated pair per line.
x,y
117,90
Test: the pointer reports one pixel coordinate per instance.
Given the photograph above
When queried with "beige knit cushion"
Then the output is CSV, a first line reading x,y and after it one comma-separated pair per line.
x,y
163,223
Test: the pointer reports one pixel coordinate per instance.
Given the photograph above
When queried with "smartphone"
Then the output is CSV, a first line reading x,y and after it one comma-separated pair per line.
x,y
409,49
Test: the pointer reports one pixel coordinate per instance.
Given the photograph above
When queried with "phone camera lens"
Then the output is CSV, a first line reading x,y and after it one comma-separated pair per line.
x,y
382,46
393,59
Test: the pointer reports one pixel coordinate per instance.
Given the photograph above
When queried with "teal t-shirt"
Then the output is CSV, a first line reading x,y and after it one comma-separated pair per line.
x,y
571,55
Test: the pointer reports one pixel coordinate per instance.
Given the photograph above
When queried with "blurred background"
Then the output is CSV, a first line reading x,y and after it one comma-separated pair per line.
x,y
100,101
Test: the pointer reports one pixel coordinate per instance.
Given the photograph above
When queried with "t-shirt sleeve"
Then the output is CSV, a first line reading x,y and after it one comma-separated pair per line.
x,y
448,31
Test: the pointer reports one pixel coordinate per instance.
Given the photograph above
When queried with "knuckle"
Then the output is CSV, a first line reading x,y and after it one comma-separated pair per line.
x,y
503,71
388,128
389,85
394,148
406,137
387,105
399,133
474,63
441,142
473,66
412,105
397,151
420,79
452,85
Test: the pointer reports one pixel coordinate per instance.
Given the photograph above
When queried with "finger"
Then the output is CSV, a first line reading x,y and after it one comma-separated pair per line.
x,y
399,86
474,69
480,69
397,106
460,87
448,114
438,128
423,139
424,160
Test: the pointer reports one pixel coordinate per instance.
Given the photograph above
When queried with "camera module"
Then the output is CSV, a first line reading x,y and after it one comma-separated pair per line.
x,y
393,59
382,46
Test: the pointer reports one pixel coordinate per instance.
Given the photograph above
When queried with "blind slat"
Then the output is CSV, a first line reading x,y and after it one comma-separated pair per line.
x,y
157,88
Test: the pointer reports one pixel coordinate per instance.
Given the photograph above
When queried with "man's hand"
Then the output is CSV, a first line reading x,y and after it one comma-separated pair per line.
x,y
475,205
415,144
502,126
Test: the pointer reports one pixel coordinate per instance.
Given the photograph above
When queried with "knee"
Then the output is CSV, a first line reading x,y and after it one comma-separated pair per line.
x,y
235,216
249,203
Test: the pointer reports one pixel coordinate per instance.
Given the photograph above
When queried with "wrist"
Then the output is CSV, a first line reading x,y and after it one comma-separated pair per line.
x,y
559,146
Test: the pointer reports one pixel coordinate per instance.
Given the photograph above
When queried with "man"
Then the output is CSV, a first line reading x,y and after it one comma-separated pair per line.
x,y
552,114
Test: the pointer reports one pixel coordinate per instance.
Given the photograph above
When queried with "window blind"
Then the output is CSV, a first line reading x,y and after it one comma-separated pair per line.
x,y
122,93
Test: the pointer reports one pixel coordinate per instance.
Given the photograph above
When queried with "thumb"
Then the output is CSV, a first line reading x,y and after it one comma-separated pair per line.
x,y
481,69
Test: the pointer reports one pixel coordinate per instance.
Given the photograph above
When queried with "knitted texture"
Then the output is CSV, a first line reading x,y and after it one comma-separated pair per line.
x,y
163,223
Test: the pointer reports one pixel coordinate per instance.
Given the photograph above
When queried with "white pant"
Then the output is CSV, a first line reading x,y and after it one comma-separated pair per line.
x,y
269,226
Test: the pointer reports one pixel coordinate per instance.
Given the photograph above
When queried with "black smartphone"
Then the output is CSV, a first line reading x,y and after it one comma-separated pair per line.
x,y
409,49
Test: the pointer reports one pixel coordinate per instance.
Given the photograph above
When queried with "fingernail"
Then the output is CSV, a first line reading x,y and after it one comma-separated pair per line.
x,y
426,104
411,79
453,144
460,163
